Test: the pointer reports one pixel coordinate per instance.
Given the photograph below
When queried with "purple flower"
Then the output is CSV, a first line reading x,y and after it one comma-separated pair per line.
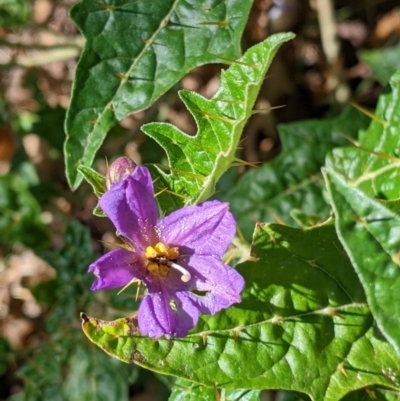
x,y
177,257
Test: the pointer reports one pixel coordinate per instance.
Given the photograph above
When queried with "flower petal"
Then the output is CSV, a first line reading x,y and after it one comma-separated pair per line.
x,y
221,283
130,205
142,175
207,228
157,318
116,269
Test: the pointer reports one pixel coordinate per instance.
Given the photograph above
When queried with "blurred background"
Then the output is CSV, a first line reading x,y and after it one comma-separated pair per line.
x,y
345,51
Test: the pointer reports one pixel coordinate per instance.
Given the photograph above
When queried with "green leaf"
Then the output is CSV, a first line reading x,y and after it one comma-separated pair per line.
x,y
373,168
198,162
292,180
383,62
188,391
64,370
72,282
370,233
97,182
14,12
108,377
291,396
303,325
20,214
373,165
134,52
372,394
6,355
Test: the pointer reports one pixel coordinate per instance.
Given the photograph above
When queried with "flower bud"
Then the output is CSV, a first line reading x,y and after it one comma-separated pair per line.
x,y
119,170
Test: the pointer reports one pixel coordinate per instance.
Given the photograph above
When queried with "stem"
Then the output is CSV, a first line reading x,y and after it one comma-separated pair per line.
x,y
50,56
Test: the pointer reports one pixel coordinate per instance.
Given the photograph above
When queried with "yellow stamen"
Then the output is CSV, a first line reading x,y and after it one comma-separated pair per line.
x,y
152,267
161,258
162,249
150,253
173,253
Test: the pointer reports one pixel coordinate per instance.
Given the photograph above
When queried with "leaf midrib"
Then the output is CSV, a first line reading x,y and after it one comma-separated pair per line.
x,y
147,44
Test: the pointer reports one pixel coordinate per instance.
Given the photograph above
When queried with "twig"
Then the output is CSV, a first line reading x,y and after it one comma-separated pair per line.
x,y
42,58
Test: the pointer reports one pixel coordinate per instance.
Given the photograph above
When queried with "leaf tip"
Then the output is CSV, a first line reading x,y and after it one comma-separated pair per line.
x,y
84,317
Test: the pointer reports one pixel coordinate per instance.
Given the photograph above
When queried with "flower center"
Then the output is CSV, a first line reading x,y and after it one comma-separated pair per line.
x,y
161,258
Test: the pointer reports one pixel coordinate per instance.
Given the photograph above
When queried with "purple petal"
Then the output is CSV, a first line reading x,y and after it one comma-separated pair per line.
x,y
207,228
131,206
116,269
142,175
187,316
222,284
157,318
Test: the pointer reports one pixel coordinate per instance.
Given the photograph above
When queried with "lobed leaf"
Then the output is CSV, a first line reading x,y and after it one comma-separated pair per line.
x,y
198,162
292,180
303,325
370,233
355,176
134,52
373,164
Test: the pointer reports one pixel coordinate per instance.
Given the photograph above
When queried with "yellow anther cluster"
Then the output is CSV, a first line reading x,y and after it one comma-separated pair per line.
x,y
157,270
154,255
161,249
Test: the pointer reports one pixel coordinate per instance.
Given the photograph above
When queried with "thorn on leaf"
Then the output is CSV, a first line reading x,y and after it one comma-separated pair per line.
x,y
342,370
332,312
106,7
204,337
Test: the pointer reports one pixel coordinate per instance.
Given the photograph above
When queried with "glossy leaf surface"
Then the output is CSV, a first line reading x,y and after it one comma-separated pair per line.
x,y
370,233
356,177
188,391
374,164
293,179
134,52
303,325
198,162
